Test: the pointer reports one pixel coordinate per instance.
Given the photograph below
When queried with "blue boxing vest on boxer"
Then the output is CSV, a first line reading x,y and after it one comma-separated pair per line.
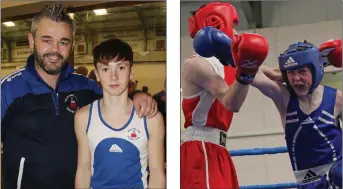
x,y
314,141
118,156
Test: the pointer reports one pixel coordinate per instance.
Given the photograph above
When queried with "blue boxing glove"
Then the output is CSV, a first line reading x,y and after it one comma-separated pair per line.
x,y
210,42
335,174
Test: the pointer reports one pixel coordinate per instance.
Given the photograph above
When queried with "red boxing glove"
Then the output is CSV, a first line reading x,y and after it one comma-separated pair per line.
x,y
331,52
249,50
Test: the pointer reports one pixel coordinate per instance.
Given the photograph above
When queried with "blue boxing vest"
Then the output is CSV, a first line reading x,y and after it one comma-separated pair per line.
x,y
313,140
119,157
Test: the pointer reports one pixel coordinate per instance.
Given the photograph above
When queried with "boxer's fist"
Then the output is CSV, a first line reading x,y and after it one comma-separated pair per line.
x,y
210,42
249,50
331,52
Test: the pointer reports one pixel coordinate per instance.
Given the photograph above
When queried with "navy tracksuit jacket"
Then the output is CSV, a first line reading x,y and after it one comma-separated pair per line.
x,y
37,127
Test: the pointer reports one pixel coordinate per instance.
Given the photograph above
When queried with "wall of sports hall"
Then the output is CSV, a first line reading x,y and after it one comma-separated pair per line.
x,y
258,124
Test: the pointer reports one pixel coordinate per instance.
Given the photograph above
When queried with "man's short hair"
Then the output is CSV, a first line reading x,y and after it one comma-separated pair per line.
x,y
56,12
112,49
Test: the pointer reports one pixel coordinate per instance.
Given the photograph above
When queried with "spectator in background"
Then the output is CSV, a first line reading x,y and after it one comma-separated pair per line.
x,y
160,98
82,70
145,89
133,85
92,76
133,88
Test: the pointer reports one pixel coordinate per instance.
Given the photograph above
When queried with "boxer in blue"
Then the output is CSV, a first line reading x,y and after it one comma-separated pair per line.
x,y
115,145
309,111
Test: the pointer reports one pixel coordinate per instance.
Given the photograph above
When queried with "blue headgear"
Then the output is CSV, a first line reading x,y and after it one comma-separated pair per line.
x,y
302,54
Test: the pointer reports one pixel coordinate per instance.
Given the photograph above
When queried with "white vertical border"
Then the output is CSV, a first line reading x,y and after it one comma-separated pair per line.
x,y
173,94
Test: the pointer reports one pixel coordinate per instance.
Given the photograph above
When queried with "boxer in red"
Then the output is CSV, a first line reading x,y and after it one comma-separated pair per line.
x,y
215,83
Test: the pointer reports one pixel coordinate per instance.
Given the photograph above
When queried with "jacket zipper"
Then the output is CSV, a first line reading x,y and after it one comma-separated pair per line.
x,y
20,173
54,95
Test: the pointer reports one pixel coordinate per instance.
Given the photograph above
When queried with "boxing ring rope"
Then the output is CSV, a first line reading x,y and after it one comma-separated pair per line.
x,y
263,151
258,151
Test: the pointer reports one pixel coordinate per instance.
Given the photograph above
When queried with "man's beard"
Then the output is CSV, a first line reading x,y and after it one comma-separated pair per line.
x,y
45,65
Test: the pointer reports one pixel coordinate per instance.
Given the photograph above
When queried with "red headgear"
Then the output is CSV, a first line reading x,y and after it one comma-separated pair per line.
x,y
215,14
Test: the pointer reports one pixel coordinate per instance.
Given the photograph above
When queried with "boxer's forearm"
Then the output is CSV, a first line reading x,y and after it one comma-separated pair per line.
x,y
268,87
83,178
157,179
236,96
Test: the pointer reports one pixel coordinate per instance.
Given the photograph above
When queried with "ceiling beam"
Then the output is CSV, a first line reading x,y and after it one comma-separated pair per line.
x,y
116,17
140,15
5,4
143,25
19,35
127,28
4,33
146,20
23,12
82,22
144,9
23,26
160,22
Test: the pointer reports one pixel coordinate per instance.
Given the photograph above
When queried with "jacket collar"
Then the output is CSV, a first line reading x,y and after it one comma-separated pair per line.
x,y
33,77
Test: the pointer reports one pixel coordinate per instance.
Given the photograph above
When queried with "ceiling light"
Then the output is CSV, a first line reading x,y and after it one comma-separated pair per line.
x,y
71,15
9,24
100,11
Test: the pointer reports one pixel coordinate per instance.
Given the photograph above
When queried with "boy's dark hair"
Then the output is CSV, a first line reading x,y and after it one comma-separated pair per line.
x,y
56,12
112,49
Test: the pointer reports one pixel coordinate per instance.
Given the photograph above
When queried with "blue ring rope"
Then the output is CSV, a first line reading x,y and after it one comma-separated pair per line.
x,y
263,151
258,151
270,186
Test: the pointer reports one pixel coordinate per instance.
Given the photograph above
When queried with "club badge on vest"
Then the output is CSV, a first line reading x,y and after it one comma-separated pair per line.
x,y
134,134
71,103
